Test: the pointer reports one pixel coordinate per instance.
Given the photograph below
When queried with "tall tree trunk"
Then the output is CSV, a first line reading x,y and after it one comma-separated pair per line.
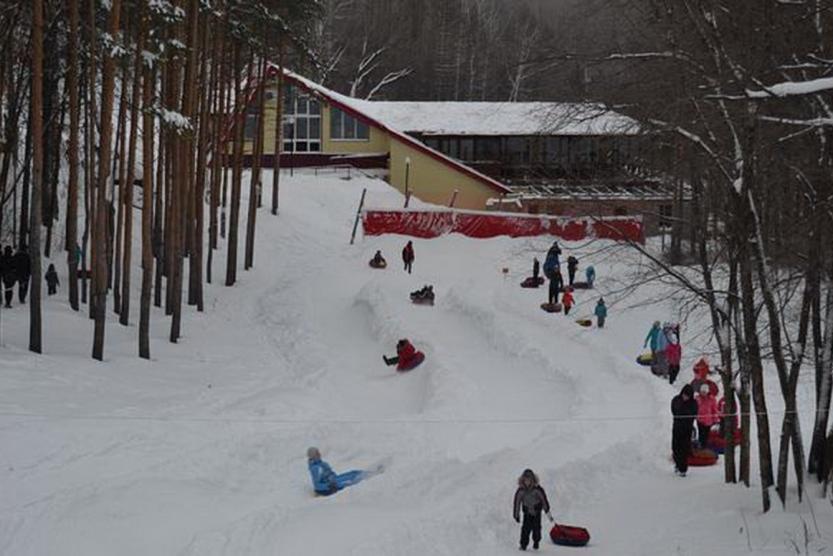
x,y
100,243
118,204
71,245
276,166
35,340
147,200
254,182
237,174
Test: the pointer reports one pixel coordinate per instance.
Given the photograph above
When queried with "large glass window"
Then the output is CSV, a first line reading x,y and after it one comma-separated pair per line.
x,y
345,127
301,122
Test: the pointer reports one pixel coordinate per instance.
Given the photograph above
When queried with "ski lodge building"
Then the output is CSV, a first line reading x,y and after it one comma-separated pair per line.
x,y
531,157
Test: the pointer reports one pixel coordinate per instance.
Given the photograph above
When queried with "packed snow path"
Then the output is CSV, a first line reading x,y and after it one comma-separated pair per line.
x,y
202,450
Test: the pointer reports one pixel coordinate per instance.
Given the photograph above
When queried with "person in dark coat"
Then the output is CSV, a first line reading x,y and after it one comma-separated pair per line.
x,y
23,270
52,281
572,265
8,274
556,285
684,410
408,256
536,268
532,499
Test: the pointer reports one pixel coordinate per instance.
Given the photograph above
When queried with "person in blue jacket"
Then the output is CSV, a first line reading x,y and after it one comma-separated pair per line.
x,y
553,273
601,312
590,274
653,337
325,481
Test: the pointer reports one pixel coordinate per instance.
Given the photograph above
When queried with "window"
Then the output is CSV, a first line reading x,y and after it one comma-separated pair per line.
x,y
345,127
301,122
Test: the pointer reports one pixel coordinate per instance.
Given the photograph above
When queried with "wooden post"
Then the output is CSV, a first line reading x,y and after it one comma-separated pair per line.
x,y
358,215
453,198
407,176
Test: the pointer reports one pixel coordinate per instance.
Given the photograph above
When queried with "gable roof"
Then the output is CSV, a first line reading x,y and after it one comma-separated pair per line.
x,y
354,107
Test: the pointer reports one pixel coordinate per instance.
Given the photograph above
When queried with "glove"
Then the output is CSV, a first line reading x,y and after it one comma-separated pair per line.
x,y
517,519
549,516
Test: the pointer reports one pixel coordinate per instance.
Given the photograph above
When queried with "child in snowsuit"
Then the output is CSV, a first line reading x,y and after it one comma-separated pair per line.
x,y
684,410
407,357
324,480
532,499
601,313
590,274
572,265
408,256
567,300
52,282
673,354
708,413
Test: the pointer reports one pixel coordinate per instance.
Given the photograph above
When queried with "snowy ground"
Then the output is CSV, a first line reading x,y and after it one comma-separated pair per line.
x,y
202,450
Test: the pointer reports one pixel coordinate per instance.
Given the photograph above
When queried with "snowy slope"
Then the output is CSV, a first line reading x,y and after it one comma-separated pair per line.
x,y
202,450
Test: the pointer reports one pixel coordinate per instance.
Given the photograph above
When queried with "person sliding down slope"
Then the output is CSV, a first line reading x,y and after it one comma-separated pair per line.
x,y
407,357
532,499
378,261
326,482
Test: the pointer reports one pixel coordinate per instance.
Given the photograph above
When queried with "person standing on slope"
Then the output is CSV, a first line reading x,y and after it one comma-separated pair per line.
x,y
9,275
325,481
684,411
52,281
552,272
532,499
572,265
601,313
23,270
408,256
673,354
708,413
590,275
567,300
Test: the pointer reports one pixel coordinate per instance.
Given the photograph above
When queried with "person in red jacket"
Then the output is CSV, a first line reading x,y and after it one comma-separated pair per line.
x,y
673,354
567,300
408,256
407,357
708,413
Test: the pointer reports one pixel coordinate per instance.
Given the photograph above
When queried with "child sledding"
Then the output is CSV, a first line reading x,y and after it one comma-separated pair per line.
x,y
325,481
423,296
378,261
407,356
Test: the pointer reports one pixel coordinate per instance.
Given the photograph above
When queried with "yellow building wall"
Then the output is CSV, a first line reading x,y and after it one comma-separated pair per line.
x,y
433,181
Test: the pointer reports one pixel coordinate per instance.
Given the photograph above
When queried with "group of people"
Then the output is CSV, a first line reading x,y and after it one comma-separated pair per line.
x,y
666,350
552,271
696,404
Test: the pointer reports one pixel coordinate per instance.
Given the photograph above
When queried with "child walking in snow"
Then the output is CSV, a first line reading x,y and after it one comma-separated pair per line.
x,y
708,413
408,256
532,499
52,282
567,300
601,313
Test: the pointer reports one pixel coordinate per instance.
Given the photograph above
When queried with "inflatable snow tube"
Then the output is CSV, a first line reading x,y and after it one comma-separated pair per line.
x,y
581,286
380,265
531,282
717,443
415,362
566,535
551,307
585,322
702,458
646,360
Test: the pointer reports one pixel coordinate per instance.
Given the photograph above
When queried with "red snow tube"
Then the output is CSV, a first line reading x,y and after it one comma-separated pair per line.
x,y
411,363
718,444
566,535
702,458
532,282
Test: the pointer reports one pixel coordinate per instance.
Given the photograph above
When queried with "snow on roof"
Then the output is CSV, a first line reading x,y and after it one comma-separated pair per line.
x,y
486,118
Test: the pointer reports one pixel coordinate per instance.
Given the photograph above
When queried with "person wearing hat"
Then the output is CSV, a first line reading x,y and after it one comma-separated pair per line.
x,y
708,413
325,481
601,313
532,499
684,410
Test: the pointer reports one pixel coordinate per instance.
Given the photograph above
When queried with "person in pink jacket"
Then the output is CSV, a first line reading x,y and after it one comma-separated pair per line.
x,y
708,413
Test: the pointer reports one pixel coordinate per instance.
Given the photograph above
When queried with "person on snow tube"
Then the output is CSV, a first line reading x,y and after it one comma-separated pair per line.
x,y
407,357
426,293
601,313
684,410
590,275
532,499
708,413
378,261
325,481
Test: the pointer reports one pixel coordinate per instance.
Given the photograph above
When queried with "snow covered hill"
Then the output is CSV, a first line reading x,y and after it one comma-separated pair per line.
x,y
202,450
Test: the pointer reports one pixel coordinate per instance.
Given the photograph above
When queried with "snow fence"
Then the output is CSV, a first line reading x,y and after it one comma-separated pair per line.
x,y
434,223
